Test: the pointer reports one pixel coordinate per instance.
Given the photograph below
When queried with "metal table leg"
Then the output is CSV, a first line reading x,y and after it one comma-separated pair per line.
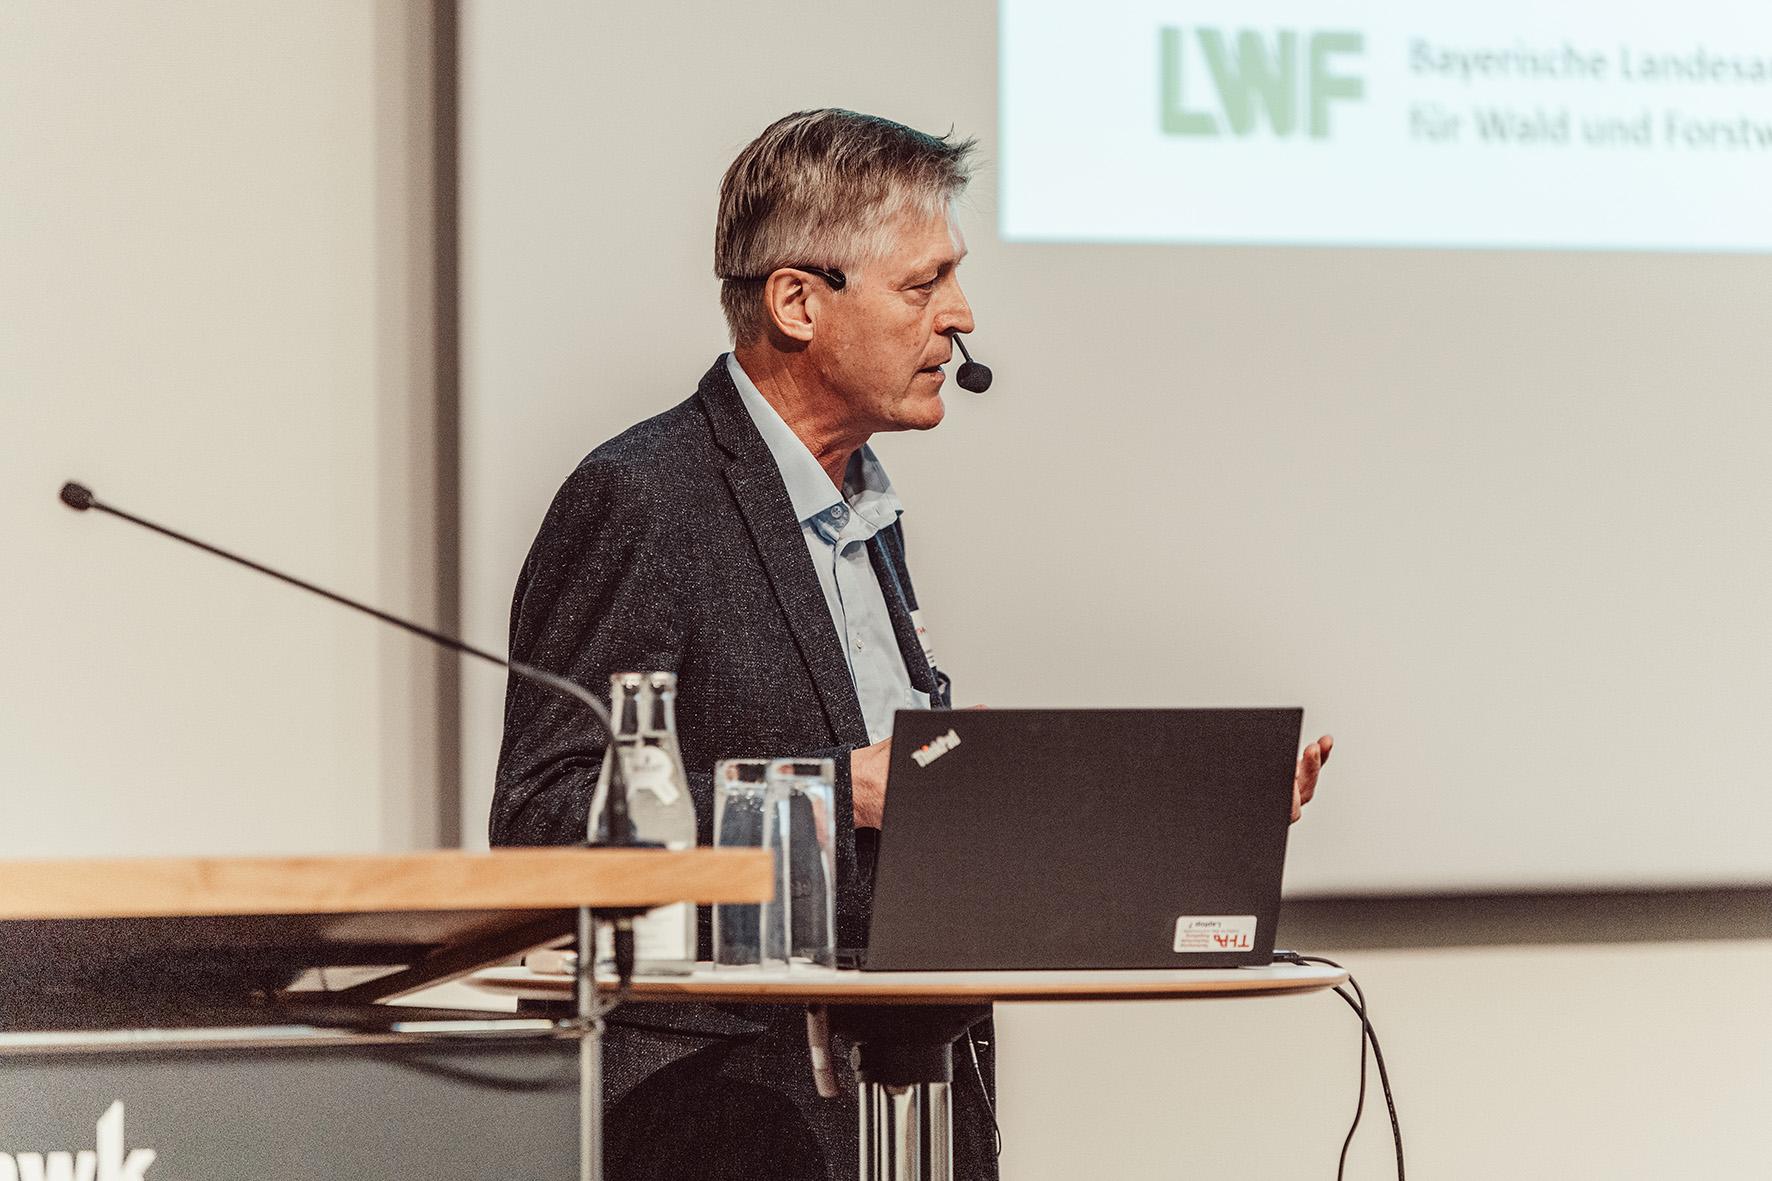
x,y
589,1018
907,1132
904,1059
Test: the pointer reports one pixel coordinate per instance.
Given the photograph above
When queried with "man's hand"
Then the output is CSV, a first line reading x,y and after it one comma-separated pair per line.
x,y
867,782
1310,763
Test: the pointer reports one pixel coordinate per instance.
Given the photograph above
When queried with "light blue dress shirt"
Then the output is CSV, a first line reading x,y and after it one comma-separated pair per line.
x,y
837,528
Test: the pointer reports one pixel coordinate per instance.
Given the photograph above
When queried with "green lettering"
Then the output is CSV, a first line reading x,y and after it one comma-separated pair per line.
x,y
1175,118
1325,85
1254,80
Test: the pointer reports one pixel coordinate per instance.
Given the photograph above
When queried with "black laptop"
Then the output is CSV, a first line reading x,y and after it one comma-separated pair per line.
x,y
1083,838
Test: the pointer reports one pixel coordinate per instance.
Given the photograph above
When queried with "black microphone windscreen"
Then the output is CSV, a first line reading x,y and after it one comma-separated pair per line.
x,y
76,496
973,377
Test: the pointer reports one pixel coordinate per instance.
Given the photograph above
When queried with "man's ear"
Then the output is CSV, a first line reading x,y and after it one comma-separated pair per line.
x,y
786,296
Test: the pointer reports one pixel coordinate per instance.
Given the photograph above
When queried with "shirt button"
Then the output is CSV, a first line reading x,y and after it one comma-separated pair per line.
x,y
839,513
860,644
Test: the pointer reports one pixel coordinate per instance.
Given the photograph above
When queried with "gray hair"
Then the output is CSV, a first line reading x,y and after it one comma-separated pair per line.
x,y
823,188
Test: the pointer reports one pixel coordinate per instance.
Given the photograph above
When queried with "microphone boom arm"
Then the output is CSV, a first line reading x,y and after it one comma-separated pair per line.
x,y
80,498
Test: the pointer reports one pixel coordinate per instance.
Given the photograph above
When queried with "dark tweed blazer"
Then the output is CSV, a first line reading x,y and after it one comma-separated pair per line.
x,y
674,546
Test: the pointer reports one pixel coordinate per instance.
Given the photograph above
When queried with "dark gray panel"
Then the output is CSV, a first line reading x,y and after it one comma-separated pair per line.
x,y
495,1109
1474,920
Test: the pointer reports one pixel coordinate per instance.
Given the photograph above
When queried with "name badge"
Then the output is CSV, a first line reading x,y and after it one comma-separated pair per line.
x,y
919,620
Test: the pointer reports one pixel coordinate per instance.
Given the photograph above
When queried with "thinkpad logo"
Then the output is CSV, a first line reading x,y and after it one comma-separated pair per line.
x,y
935,748
107,1160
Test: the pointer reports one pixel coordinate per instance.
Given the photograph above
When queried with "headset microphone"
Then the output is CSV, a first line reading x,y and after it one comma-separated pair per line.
x,y
972,376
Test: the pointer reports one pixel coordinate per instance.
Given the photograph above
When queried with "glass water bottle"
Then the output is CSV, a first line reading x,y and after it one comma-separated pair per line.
x,y
660,809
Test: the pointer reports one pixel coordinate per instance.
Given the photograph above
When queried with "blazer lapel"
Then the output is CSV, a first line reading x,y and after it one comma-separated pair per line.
x,y
769,517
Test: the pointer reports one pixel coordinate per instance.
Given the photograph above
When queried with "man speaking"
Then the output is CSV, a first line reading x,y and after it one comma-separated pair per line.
x,y
749,541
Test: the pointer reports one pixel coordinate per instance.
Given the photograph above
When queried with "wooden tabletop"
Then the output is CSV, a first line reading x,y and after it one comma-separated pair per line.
x,y
808,985
504,879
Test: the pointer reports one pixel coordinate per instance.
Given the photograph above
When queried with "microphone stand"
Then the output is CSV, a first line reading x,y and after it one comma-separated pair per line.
x,y
588,1015
80,498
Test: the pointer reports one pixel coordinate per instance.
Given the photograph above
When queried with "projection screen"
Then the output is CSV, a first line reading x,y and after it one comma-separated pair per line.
x,y
1457,442
1363,123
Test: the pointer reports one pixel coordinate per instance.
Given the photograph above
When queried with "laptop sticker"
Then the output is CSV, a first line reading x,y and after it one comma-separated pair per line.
x,y
1215,932
935,748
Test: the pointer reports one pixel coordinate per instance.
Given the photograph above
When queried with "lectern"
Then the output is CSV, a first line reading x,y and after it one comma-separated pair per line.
x,y
216,1018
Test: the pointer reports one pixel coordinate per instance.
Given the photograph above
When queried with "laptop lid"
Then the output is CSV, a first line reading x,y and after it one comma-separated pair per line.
x,y
1083,838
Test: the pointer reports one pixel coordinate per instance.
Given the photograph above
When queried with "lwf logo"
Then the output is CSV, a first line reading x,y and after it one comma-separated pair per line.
x,y
1256,76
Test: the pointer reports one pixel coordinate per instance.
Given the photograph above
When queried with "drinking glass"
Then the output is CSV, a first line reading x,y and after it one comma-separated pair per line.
x,y
806,796
749,813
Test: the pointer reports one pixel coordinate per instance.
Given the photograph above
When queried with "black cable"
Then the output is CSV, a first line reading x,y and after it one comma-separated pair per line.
x,y
484,1079
996,1128
1368,1035
1384,1079
1360,1103
1371,1034
623,939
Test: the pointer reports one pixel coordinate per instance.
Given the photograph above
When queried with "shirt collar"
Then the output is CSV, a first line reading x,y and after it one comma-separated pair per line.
x,y
866,488
869,491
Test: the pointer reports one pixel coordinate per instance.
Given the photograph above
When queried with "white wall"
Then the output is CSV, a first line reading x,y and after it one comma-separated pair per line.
x,y
1547,1063
206,313
1240,388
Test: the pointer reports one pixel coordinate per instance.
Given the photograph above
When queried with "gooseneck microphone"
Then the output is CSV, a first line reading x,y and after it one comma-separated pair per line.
x,y
972,376
80,498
